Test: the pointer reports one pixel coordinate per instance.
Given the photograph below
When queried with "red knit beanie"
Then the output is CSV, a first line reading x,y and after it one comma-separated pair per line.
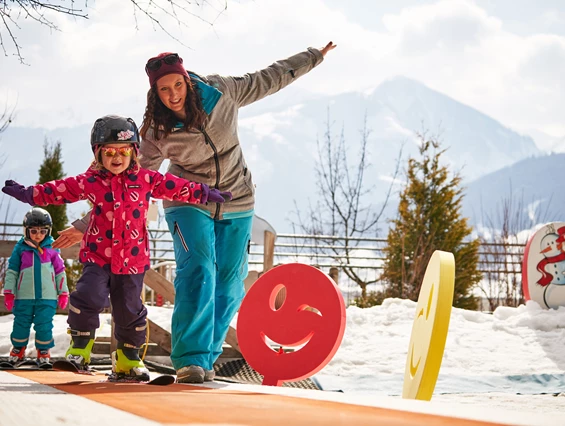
x,y
163,67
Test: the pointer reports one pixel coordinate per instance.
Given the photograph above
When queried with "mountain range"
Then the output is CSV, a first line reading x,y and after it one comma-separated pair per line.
x,y
279,136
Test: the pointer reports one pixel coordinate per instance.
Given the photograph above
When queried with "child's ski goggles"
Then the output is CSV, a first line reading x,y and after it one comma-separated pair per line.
x,y
155,64
112,152
42,231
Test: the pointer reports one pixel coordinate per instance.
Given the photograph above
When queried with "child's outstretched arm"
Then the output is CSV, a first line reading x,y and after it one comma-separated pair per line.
x,y
19,192
68,190
171,187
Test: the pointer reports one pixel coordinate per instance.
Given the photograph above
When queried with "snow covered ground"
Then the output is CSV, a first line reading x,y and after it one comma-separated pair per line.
x,y
513,359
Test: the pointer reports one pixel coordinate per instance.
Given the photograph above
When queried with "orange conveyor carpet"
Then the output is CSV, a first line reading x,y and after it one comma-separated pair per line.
x,y
186,404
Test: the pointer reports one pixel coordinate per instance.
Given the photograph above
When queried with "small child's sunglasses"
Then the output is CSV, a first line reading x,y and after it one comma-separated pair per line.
x,y
155,64
41,231
112,152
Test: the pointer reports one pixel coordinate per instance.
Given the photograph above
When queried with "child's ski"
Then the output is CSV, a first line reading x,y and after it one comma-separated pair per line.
x,y
7,366
163,380
28,364
45,366
73,368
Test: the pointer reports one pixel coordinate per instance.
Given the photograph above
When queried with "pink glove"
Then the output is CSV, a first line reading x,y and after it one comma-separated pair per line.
x,y
63,300
9,301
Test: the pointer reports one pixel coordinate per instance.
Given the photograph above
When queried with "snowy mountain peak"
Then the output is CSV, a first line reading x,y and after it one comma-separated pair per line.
x,y
279,140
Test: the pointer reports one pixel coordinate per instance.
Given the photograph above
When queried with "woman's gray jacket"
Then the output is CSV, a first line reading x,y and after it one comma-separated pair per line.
x,y
213,156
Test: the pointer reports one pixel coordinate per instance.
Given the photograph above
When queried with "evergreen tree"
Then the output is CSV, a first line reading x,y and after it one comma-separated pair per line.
x,y
429,219
51,169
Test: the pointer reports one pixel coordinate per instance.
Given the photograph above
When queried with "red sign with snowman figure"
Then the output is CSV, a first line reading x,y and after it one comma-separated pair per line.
x,y
311,319
543,267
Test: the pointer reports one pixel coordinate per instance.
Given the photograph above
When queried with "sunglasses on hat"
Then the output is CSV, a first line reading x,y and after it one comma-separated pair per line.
x,y
155,64
112,152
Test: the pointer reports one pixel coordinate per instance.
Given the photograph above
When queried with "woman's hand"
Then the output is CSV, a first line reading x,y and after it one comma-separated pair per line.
x,y
67,238
327,48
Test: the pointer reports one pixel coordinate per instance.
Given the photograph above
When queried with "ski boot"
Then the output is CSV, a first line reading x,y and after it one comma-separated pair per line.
x,y
17,355
127,366
80,349
43,358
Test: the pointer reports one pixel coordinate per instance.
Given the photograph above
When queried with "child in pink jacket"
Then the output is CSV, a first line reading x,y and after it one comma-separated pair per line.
x,y
115,247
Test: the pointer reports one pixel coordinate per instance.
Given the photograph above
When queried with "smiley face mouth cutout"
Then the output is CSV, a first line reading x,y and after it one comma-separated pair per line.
x,y
422,318
413,368
277,302
296,346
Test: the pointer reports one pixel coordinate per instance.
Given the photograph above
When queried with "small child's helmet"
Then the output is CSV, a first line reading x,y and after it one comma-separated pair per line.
x,y
114,129
37,218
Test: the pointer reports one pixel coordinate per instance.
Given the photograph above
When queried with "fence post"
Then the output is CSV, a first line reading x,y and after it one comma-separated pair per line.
x,y
268,251
334,274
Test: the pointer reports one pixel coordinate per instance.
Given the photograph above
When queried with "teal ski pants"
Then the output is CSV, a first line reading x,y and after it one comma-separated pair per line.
x,y
211,257
40,313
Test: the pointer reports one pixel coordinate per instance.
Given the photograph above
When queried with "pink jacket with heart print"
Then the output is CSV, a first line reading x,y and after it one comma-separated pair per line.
x,y
117,232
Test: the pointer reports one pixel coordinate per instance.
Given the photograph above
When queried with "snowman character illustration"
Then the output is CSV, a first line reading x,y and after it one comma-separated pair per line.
x,y
552,268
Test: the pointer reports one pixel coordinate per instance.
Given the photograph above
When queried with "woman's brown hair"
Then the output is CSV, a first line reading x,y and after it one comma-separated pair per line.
x,y
162,120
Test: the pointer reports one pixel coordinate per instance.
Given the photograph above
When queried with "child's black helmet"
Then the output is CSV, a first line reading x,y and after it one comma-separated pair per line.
x,y
37,218
114,129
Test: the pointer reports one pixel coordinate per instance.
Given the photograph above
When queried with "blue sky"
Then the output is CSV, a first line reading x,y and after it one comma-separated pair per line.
x,y
502,57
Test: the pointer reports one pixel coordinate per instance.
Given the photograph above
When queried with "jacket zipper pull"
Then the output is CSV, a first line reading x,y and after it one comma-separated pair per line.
x,y
205,136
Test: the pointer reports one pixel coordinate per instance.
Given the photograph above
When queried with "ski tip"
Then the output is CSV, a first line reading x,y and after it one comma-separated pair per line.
x,y
46,366
69,366
6,366
64,366
163,380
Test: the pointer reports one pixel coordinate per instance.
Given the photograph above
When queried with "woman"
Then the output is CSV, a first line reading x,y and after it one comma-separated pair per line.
x,y
192,121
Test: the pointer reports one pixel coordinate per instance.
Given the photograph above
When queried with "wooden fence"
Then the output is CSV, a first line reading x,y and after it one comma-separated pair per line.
x,y
323,251
498,261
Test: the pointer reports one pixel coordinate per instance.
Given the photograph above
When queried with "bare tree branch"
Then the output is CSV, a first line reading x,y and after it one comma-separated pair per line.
x,y
13,10
180,11
502,251
344,208
6,119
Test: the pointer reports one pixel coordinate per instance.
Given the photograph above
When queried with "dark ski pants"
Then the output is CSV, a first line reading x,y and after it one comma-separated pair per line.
x,y
38,312
90,298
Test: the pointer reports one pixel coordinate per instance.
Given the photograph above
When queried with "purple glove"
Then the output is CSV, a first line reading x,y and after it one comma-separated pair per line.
x,y
19,192
214,195
9,301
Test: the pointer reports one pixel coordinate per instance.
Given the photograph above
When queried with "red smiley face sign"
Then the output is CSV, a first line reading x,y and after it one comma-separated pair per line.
x,y
292,324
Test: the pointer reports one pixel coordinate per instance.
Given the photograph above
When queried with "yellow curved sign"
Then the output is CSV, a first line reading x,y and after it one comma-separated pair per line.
x,y
429,330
